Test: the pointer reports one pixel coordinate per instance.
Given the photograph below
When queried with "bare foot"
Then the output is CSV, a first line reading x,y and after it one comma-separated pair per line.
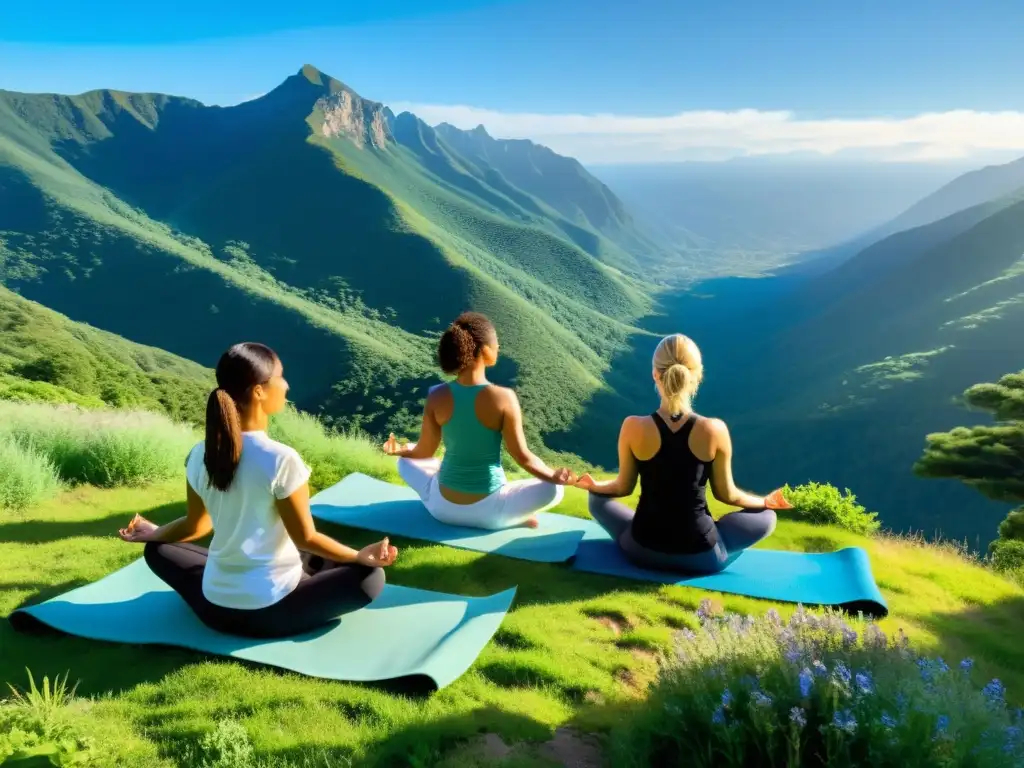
x,y
533,522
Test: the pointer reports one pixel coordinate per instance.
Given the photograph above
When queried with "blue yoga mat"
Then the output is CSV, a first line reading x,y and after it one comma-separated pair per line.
x,y
842,579
404,633
360,501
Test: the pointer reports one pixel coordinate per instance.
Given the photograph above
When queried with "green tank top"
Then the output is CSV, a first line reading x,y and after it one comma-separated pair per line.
x,y
472,452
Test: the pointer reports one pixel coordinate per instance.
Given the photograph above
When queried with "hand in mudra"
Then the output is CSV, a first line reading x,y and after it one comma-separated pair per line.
x,y
377,555
775,500
138,530
391,446
563,476
586,482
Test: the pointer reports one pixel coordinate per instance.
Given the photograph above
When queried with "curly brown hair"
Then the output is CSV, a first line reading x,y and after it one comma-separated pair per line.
x,y
462,343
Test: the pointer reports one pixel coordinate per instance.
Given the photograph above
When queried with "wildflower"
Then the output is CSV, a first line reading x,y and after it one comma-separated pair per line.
x,y
966,665
760,700
773,617
941,725
888,721
901,701
941,665
1013,733
819,669
689,634
926,669
704,610
874,637
849,637
792,654
863,681
797,717
844,721
994,691
718,717
726,697
806,680
841,673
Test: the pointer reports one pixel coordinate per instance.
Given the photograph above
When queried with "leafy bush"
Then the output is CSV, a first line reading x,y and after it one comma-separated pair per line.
x,y
752,692
26,477
35,729
228,746
331,455
823,504
1007,554
104,448
1012,526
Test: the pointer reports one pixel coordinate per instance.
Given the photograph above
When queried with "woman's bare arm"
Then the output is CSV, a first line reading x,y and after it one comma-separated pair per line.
x,y
625,482
515,441
193,526
298,522
722,483
430,435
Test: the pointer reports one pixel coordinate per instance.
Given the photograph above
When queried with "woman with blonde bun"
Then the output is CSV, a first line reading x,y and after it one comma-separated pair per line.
x,y
674,453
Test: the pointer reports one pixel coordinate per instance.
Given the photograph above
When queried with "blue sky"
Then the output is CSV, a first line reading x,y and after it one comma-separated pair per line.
x,y
536,65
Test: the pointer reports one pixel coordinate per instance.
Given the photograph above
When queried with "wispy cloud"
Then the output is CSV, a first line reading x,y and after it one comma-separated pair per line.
x,y
718,134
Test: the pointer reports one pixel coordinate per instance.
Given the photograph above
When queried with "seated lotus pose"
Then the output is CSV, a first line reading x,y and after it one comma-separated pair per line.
x,y
675,452
252,492
471,415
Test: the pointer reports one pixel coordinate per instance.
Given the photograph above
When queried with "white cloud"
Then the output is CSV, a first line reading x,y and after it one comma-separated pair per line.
x,y
606,138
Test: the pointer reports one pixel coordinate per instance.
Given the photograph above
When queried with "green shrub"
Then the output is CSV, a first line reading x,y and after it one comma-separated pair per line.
x,y
823,504
26,477
35,728
330,455
25,391
759,692
1007,554
104,448
1012,526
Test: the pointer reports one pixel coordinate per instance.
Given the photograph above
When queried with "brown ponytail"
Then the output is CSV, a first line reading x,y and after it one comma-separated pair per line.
x,y
239,370
462,343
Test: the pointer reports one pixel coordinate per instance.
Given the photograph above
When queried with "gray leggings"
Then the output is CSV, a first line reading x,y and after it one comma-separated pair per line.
x,y
736,532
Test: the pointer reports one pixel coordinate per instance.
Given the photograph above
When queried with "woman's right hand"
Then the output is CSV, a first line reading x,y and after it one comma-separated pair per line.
x,y
377,555
586,482
391,446
563,476
775,500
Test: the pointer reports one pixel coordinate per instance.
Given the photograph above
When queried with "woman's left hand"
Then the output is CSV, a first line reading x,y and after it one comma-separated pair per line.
x,y
775,500
138,530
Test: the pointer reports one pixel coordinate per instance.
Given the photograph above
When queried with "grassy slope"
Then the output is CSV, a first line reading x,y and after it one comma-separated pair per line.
x,y
575,650
229,177
45,356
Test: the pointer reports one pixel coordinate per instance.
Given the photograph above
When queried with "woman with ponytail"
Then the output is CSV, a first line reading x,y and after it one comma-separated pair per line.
x,y
252,492
472,417
674,453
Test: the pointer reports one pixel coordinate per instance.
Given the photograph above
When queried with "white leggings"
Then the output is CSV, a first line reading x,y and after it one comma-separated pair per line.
x,y
513,504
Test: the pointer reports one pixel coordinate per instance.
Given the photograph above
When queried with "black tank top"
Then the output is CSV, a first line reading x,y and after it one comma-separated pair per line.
x,y
672,515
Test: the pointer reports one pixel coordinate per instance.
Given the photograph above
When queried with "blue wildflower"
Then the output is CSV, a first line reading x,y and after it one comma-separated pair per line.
x,y
718,718
760,700
792,654
901,702
994,691
797,717
941,665
1013,733
966,665
726,697
819,669
942,725
888,721
849,636
926,669
845,721
863,681
1018,716
842,672
806,680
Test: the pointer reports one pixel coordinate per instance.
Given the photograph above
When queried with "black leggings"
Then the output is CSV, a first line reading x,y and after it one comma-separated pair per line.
x,y
736,532
327,590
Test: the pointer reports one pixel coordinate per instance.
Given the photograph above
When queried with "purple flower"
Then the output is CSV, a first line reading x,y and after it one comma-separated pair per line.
x,y
863,681
773,617
797,717
888,721
845,721
792,654
806,680
849,637
842,673
966,665
704,610
718,718
994,691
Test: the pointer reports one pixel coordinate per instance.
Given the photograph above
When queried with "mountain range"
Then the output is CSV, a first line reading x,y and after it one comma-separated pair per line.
x,y
348,236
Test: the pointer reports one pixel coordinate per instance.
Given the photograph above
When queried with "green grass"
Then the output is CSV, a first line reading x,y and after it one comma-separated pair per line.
x,y
576,651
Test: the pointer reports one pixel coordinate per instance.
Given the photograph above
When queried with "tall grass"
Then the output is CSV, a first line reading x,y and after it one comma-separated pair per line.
x,y
103,448
26,477
331,455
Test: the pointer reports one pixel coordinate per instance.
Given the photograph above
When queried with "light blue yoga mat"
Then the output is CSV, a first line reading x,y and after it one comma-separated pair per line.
x,y
405,633
842,579
360,501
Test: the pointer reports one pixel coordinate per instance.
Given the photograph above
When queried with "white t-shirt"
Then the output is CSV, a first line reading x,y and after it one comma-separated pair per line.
x,y
253,562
